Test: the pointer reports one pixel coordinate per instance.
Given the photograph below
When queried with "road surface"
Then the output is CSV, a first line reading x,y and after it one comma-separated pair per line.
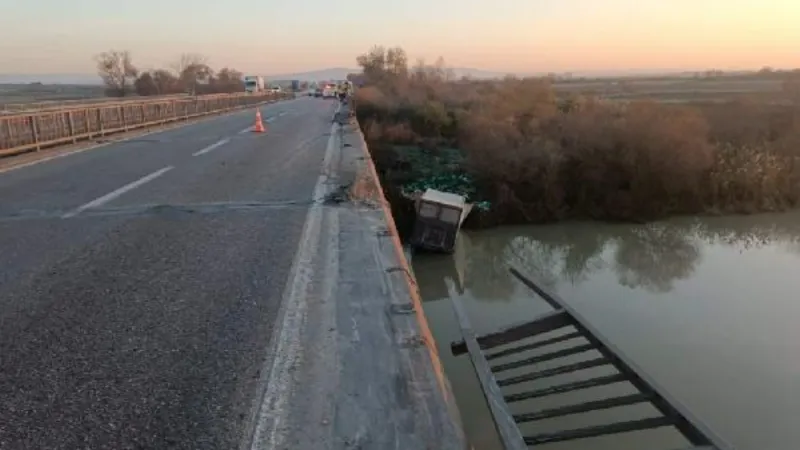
x,y
140,282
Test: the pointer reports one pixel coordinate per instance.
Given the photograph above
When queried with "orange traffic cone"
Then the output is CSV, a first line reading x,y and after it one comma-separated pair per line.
x,y
259,128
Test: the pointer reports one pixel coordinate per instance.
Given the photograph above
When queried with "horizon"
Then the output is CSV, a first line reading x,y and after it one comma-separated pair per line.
x,y
338,72
516,36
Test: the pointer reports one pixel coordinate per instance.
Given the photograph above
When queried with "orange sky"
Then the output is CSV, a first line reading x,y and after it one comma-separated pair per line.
x,y
40,36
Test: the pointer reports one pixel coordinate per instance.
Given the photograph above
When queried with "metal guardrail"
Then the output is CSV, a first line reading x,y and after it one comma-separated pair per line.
x,y
36,130
569,326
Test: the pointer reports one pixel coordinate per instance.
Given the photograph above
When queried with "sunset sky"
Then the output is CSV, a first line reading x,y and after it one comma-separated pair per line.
x,y
56,36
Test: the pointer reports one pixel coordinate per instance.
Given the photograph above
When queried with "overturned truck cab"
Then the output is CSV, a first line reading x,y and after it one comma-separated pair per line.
x,y
439,218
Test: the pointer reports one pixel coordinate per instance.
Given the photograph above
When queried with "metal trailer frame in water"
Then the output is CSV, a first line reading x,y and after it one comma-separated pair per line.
x,y
565,318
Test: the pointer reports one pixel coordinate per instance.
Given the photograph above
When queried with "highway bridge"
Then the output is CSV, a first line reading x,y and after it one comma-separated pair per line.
x,y
202,286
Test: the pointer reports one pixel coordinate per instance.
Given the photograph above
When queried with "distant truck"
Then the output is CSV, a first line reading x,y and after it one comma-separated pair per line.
x,y
253,84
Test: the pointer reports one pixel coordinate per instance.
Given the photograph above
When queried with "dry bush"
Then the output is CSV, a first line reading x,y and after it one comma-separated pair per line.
x,y
632,161
395,133
749,179
537,157
520,174
372,96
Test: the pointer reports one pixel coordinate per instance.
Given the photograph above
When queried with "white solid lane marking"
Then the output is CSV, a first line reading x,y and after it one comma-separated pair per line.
x,y
286,346
211,147
114,194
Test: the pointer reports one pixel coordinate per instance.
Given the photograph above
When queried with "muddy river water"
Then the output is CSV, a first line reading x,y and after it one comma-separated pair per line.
x,y
709,307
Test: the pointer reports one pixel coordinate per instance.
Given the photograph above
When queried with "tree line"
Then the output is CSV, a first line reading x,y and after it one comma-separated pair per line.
x,y
190,74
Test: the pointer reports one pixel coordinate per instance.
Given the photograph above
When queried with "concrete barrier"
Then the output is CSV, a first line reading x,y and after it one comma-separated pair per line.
x,y
36,130
415,355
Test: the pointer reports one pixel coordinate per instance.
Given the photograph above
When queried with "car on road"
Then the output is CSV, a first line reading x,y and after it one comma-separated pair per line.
x,y
329,91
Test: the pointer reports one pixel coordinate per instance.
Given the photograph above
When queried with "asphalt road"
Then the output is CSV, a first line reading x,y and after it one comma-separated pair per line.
x,y
139,282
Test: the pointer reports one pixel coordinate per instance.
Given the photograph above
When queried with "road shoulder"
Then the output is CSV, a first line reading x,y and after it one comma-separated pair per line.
x,y
362,371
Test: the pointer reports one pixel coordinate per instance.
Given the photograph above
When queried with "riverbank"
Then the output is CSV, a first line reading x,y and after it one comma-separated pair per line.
x,y
532,155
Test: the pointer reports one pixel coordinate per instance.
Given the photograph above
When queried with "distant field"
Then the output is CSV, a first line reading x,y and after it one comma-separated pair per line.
x,y
676,89
19,97
11,94
665,89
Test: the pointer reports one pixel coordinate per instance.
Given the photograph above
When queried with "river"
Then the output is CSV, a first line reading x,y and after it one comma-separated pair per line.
x,y
709,307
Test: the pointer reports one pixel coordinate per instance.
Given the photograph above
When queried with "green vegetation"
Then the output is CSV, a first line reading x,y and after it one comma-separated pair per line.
x,y
539,153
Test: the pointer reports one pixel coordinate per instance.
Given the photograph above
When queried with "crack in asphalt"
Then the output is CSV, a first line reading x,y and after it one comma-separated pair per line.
x,y
161,209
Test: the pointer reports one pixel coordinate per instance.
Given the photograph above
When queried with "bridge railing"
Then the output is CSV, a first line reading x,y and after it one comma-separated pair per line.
x,y
16,108
38,129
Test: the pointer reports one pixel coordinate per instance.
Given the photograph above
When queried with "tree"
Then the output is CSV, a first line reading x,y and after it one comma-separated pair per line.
x,y
145,85
381,64
166,83
157,82
227,80
117,71
191,69
438,72
397,62
373,63
186,60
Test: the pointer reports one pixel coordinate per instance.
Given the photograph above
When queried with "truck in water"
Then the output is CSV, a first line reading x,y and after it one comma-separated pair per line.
x,y
253,83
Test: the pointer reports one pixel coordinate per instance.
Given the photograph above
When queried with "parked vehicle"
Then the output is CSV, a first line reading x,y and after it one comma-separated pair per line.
x,y
253,83
329,91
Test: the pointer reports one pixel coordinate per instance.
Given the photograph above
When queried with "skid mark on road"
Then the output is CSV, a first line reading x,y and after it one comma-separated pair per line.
x,y
209,208
199,208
